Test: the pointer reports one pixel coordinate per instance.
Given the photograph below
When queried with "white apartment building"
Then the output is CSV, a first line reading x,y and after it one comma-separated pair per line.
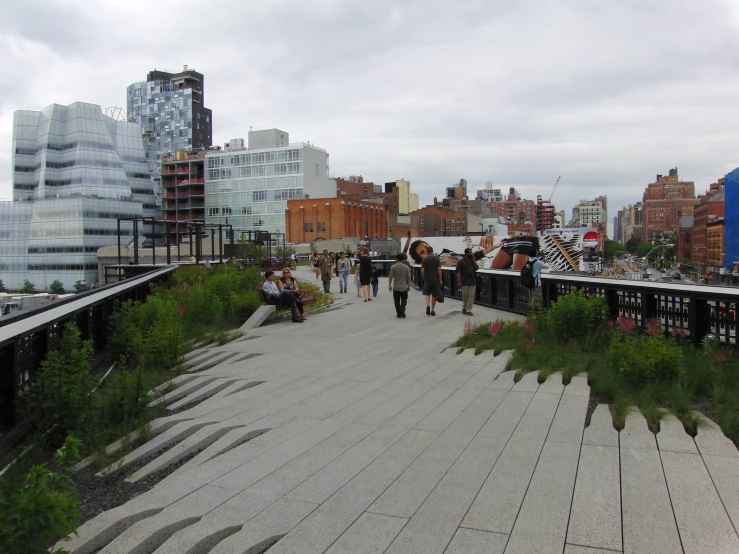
x,y
248,187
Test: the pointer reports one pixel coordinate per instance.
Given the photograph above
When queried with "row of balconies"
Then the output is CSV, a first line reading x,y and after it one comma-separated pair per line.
x,y
193,181
185,194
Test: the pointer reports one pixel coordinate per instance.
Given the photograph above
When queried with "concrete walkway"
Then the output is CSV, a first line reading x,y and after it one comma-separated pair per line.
x,y
357,432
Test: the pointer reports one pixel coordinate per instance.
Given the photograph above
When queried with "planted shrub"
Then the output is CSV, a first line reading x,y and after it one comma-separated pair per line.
x,y
642,359
575,317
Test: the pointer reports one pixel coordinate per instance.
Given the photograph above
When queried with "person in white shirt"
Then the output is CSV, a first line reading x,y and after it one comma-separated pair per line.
x,y
274,296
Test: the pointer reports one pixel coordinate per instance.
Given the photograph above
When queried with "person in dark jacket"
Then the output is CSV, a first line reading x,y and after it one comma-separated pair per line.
x,y
375,281
365,273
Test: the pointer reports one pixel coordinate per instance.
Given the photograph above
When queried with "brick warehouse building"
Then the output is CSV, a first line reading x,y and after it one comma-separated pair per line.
x,y
334,218
664,202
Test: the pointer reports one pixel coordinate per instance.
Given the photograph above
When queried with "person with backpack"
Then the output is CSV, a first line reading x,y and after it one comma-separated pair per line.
x,y
531,279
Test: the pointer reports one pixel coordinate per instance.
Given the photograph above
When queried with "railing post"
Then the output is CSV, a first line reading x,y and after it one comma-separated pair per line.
x,y
135,242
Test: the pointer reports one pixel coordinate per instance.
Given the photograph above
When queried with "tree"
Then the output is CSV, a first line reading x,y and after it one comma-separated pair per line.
x,y
612,248
28,287
56,287
632,245
313,247
644,249
2,286
79,286
283,252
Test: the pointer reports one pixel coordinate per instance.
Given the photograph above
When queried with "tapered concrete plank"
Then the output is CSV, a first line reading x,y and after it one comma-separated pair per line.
x,y
258,317
578,386
576,549
538,418
435,523
528,383
301,468
321,405
724,472
595,517
181,392
211,361
468,354
409,491
370,534
178,381
278,519
569,420
541,525
148,534
96,533
636,433
197,441
449,410
553,384
648,522
702,521
169,437
673,438
601,432
201,393
712,441
319,530
504,381
466,541
485,356
222,522
197,353
324,483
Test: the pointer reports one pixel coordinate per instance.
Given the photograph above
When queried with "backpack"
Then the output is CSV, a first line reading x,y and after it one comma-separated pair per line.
x,y
527,274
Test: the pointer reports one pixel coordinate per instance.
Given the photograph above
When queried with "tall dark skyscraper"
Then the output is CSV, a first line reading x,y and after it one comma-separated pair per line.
x,y
170,107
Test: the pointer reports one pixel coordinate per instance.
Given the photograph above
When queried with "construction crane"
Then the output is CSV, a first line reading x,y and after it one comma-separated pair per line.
x,y
554,189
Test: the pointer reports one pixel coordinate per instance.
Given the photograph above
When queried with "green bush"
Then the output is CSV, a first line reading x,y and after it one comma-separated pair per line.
x,y
643,359
43,508
59,396
56,287
28,287
575,317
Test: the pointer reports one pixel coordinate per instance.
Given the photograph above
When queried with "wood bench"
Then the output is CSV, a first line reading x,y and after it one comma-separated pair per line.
x,y
279,307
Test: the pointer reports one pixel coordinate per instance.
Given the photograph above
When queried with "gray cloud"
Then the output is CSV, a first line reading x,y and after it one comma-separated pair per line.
x,y
515,92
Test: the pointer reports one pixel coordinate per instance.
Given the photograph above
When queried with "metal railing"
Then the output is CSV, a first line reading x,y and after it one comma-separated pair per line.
x,y
694,311
26,337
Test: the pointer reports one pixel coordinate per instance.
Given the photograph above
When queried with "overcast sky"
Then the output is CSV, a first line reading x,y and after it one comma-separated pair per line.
x,y
517,92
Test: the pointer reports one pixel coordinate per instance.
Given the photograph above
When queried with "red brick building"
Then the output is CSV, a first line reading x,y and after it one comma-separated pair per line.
x,y
354,188
710,208
334,218
715,245
664,202
437,221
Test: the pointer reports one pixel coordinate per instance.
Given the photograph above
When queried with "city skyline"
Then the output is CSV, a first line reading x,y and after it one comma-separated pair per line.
x,y
397,91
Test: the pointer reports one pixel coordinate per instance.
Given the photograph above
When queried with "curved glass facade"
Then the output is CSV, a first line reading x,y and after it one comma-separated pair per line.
x,y
75,172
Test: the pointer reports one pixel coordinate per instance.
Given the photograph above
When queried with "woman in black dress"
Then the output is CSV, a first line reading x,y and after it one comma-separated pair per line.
x,y
365,273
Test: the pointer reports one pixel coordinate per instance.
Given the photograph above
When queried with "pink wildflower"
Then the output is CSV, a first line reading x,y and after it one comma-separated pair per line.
x,y
527,327
720,357
469,327
680,333
180,311
654,326
610,324
626,325
495,328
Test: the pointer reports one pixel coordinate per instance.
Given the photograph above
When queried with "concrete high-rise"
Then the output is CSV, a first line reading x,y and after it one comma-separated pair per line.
x,y
75,172
170,107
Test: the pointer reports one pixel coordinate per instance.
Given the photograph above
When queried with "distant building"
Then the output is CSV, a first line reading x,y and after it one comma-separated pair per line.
x,y
457,191
355,188
708,210
248,187
665,201
308,219
437,221
685,233
75,172
183,183
489,194
170,107
545,212
407,202
592,212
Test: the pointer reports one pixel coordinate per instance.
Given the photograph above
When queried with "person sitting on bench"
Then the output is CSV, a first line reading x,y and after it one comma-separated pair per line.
x,y
273,295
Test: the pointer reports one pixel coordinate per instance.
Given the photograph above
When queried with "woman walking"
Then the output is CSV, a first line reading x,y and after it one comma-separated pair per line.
x,y
365,273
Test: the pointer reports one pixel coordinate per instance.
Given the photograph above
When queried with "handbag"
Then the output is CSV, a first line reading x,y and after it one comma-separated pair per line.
x,y
439,295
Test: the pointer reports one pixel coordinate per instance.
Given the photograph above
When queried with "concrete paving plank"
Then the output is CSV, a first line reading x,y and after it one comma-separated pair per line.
x,y
636,433
673,438
577,549
648,521
541,525
712,441
370,534
528,383
433,526
409,491
578,386
278,519
504,381
201,393
595,517
724,472
467,541
601,432
569,420
324,526
702,521
553,384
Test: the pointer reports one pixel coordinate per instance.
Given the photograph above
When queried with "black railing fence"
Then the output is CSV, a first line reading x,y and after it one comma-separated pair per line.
x,y
26,337
694,311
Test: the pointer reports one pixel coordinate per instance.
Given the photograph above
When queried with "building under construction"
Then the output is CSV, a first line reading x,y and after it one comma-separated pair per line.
x,y
545,213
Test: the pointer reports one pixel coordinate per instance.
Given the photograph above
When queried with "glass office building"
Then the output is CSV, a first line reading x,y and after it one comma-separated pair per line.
x,y
75,171
248,187
171,111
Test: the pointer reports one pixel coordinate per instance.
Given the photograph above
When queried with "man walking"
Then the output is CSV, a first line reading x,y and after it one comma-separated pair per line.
x,y
535,294
343,265
467,280
325,265
431,274
400,283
